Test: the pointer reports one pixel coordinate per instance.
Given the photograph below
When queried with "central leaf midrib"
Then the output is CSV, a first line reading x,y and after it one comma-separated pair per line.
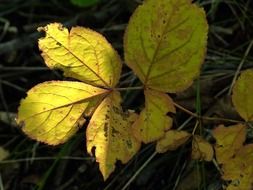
x,y
65,105
158,47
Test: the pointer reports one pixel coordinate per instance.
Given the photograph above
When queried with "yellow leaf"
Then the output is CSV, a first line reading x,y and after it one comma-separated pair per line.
x,y
239,169
165,43
201,149
172,140
109,131
228,141
81,53
242,95
52,110
153,120
236,159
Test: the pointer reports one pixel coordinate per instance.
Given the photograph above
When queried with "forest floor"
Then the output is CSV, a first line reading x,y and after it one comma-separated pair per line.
x,y
32,165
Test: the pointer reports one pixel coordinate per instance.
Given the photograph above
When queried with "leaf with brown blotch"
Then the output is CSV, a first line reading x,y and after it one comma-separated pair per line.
x,y
109,132
165,43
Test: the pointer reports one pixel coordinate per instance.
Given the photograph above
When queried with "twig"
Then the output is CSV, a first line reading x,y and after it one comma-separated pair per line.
x,y
205,117
217,166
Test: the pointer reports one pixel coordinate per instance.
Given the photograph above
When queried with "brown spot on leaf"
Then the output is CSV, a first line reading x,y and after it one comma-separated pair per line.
x,y
114,132
71,119
21,124
106,130
60,27
183,33
129,144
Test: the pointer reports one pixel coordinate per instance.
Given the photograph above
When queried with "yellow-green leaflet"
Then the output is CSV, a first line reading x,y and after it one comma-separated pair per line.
x,y
242,95
165,43
52,110
153,120
81,53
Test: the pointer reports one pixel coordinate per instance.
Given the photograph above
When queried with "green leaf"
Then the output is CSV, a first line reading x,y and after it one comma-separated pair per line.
x,y
109,131
52,111
84,3
81,53
165,43
242,95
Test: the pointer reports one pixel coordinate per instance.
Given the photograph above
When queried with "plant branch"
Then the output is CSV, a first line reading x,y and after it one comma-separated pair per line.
x,y
205,117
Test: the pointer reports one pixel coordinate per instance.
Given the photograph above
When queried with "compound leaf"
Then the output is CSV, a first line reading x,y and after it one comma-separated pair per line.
x,y
172,140
201,149
153,120
242,95
228,141
109,131
81,53
165,40
52,111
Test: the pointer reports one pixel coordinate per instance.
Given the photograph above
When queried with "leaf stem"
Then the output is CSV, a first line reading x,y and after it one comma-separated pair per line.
x,y
205,117
129,88
217,166
195,127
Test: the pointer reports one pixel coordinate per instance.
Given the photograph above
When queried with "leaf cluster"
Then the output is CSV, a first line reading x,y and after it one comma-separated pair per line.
x,y
164,44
